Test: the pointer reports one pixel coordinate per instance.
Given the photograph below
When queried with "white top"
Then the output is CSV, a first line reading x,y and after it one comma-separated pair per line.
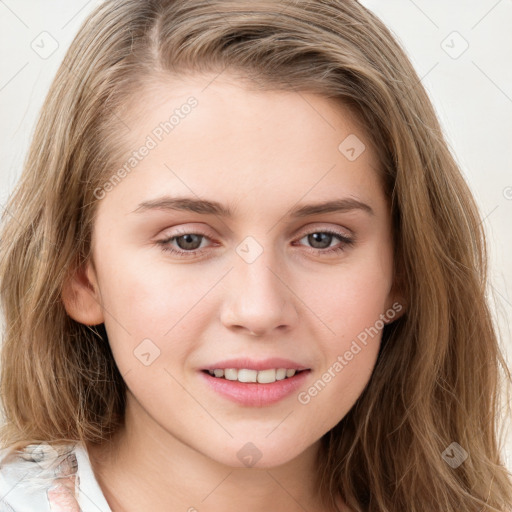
x,y
46,478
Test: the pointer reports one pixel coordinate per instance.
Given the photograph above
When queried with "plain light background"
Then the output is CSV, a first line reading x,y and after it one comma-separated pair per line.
x,y
461,50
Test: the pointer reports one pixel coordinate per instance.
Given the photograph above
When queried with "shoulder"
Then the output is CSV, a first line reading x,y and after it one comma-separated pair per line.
x,y
40,477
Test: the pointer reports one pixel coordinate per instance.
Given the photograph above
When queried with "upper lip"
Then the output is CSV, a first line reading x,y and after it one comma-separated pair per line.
x,y
253,364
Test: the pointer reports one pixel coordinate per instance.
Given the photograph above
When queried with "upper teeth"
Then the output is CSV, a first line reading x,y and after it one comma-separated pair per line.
x,y
262,376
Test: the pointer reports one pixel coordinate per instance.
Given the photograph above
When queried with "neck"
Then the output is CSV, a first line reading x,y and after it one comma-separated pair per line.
x,y
144,467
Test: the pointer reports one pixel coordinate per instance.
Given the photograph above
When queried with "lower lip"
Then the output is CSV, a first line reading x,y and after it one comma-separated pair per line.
x,y
254,394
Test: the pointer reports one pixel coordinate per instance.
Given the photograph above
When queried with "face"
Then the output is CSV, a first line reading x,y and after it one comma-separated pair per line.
x,y
212,251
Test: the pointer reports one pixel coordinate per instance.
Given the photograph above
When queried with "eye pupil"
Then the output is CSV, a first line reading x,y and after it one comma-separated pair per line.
x,y
190,239
191,242
313,238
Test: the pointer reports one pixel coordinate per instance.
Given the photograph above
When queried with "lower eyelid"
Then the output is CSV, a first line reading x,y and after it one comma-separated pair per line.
x,y
344,240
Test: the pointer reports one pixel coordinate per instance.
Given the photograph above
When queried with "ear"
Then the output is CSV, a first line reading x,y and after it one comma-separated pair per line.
x,y
396,303
395,308
81,297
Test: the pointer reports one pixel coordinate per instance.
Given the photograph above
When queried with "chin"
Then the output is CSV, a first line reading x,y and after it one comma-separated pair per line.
x,y
258,453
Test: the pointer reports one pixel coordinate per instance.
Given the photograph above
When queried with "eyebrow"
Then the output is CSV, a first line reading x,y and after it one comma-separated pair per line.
x,y
210,207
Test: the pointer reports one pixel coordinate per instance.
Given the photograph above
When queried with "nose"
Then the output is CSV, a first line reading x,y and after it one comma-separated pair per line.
x,y
258,300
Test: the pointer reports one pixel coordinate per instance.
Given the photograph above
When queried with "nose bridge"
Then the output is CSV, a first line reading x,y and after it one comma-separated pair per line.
x,y
258,299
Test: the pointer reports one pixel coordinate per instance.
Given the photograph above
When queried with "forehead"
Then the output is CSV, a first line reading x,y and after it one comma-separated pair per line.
x,y
216,136
228,105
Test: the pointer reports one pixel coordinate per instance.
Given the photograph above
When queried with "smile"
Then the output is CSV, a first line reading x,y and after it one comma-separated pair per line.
x,y
253,383
247,375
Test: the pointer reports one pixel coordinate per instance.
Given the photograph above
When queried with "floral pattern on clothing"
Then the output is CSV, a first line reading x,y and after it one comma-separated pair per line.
x,y
49,468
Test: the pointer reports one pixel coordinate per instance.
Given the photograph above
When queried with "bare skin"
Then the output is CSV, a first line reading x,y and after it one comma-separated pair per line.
x,y
261,154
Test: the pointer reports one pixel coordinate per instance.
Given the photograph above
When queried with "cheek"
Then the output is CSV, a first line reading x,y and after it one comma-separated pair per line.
x,y
148,294
156,322
352,298
349,349
335,391
350,307
151,307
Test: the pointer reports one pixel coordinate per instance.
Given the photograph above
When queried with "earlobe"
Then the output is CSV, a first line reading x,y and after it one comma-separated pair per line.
x,y
396,309
396,304
81,298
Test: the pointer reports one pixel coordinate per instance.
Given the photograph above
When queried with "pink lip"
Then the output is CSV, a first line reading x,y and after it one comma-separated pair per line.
x,y
250,364
254,394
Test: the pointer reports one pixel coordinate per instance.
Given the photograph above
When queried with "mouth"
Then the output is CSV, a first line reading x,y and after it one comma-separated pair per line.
x,y
255,384
247,375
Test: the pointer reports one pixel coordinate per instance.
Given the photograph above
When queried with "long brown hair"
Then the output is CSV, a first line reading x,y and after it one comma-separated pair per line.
x,y
439,372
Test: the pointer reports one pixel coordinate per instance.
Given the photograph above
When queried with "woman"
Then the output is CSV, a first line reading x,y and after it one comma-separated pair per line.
x,y
256,368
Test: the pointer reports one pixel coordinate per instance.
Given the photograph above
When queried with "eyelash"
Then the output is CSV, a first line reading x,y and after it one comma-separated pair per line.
x,y
346,241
